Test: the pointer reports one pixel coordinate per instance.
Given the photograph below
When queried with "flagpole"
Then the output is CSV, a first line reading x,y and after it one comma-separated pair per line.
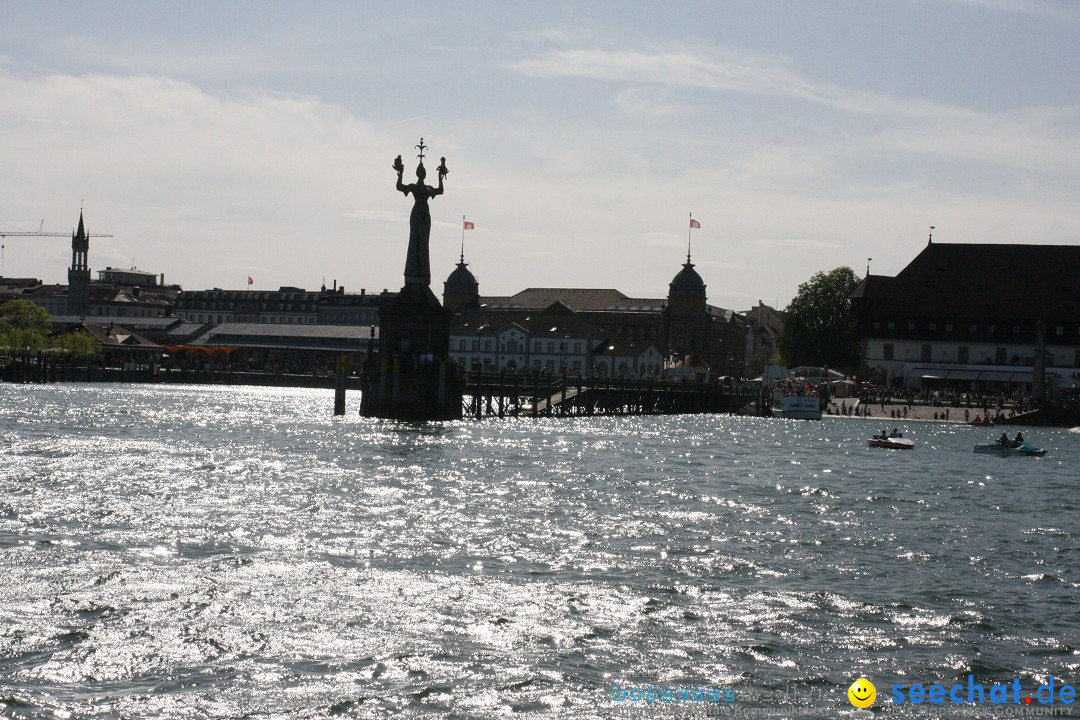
x,y
688,231
462,238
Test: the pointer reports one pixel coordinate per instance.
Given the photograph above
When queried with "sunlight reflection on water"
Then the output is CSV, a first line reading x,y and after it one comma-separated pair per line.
x,y
212,551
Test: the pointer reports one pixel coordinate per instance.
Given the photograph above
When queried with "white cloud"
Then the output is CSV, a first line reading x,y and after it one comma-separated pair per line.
x,y
731,71
189,181
792,168
651,103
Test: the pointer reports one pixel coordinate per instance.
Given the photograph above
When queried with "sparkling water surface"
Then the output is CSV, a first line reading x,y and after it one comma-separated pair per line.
x,y
224,552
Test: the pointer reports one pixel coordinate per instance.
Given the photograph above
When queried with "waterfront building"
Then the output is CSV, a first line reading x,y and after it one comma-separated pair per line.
x,y
119,346
100,300
680,325
766,327
284,306
555,339
965,316
297,348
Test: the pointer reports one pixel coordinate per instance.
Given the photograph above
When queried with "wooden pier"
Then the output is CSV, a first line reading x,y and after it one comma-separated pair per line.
x,y
490,394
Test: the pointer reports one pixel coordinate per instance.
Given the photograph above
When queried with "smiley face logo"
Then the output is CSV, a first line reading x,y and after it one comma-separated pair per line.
x,y
862,693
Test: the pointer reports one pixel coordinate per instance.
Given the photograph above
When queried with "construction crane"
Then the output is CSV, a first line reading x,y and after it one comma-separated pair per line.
x,y
40,233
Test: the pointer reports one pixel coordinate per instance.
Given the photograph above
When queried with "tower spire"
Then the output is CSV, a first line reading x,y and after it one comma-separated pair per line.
x,y
78,300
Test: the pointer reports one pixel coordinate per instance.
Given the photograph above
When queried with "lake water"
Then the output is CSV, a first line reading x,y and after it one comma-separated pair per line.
x,y
223,552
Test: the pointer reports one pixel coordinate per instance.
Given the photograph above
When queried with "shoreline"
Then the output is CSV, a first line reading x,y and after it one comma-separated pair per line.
x,y
915,412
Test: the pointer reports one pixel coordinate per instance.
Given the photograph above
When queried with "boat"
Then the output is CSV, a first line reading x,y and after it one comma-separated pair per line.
x,y
798,407
1024,448
891,443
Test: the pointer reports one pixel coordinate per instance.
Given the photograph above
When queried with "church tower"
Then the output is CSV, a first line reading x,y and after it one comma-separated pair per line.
x,y
78,299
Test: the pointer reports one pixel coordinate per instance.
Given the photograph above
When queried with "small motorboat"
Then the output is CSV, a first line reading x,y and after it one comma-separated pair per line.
x,y
1005,450
891,443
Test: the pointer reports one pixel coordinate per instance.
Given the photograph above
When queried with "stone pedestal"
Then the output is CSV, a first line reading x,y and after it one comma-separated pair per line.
x,y
415,325
413,378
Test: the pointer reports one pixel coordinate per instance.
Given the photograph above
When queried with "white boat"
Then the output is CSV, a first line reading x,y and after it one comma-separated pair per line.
x,y
798,407
891,443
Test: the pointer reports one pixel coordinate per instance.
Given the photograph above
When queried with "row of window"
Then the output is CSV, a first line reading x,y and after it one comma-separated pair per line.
x,y
972,327
360,316
963,355
511,346
247,296
61,309
211,305
283,319
574,367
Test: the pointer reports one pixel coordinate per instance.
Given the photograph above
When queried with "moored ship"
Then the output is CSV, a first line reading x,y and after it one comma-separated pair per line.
x,y
797,407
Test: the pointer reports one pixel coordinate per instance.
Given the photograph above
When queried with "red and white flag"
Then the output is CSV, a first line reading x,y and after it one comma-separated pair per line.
x,y
250,281
694,223
469,225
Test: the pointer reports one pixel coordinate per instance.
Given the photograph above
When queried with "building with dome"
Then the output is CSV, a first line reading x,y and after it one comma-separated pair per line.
x,y
593,329
461,291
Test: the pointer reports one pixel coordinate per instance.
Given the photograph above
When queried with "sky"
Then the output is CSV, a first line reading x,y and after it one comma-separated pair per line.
x,y
216,141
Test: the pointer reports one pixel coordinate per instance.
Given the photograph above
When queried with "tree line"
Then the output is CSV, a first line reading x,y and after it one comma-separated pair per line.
x,y
25,326
819,323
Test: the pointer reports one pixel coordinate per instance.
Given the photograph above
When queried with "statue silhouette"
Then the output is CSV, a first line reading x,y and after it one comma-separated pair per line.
x,y
417,261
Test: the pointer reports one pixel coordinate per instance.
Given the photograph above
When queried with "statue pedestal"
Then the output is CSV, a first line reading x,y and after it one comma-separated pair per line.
x,y
413,378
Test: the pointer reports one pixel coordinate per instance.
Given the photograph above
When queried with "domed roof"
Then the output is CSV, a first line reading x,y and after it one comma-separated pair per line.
x,y
461,279
687,282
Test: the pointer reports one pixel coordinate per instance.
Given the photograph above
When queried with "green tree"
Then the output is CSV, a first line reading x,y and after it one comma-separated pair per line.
x,y
24,325
757,364
819,324
78,343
